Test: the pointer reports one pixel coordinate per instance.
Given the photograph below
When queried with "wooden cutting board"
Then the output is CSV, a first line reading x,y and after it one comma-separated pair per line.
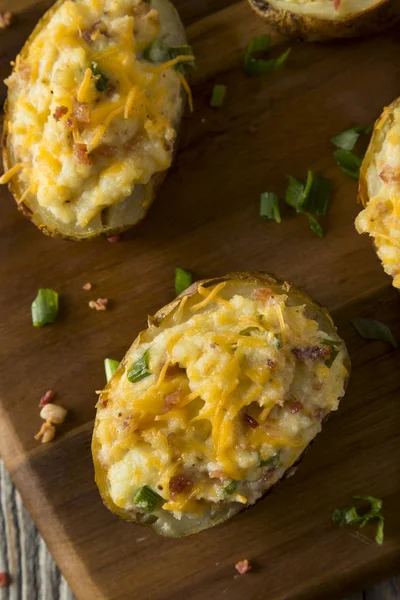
x,y
206,220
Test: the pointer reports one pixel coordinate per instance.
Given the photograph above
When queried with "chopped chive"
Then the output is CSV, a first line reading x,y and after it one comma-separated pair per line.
x,y
272,461
44,307
231,487
147,499
334,348
140,369
258,66
348,162
110,366
248,331
350,516
315,226
371,329
310,198
347,139
218,96
101,80
183,279
294,193
269,207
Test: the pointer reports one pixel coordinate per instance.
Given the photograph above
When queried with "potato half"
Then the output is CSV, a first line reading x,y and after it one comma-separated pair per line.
x,y
316,20
215,402
379,190
94,104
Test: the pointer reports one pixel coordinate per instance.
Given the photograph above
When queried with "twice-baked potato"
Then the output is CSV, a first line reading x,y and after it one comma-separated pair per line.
x,y
94,104
317,20
215,402
379,190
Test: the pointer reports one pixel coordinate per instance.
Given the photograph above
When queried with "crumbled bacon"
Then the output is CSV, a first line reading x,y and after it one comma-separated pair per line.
x,y
81,112
262,294
88,34
270,363
295,407
113,239
178,484
5,19
171,399
248,419
389,175
243,566
48,397
5,580
174,370
80,151
60,112
106,150
87,287
71,122
99,304
320,414
312,353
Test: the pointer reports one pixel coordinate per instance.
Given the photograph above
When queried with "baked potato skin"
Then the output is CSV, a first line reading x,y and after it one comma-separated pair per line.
x,y
257,279
15,189
372,20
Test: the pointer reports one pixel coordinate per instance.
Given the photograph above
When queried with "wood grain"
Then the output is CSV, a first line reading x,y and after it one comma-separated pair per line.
x,y
206,219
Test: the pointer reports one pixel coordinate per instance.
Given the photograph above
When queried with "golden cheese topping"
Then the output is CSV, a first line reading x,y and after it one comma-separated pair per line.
x,y
90,117
215,407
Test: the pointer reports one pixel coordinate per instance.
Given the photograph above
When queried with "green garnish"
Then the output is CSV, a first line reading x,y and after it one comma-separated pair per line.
x,y
218,96
183,279
158,52
101,80
110,366
269,207
231,487
272,461
347,139
371,329
348,162
278,340
248,331
335,349
310,198
44,307
315,226
147,499
140,369
350,516
253,65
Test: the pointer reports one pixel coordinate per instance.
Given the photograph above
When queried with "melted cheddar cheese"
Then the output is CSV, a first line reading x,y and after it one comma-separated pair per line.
x,y
235,389
90,118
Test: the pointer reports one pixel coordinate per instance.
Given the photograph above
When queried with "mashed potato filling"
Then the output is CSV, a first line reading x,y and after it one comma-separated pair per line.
x,y
91,117
220,404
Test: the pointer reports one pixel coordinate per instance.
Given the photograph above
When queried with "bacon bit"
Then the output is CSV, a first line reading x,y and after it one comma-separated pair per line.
x,y
295,407
87,287
5,19
80,151
312,353
389,175
71,122
248,419
5,580
99,304
270,363
60,112
46,432
262,294
88,34
178,484
243,566
320,414
113,239
174,370
267,473
81,112
48,397
171,399
106,150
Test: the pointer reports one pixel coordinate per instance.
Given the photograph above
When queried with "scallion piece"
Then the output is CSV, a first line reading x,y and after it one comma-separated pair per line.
x,y
347,139
350,516
258,66
44,307
310,198
348,162
101,80
334,348
231,487
371,329
110,366
269,207
147,499
218,96
295,193
248,331
272,461
140,369
315,226
183,279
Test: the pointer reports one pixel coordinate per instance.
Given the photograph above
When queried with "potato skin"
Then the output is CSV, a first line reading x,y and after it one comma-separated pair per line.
x,y
258,279
374,19
155,182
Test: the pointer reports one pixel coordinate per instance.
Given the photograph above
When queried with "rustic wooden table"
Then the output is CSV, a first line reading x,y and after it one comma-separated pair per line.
x,y
35,575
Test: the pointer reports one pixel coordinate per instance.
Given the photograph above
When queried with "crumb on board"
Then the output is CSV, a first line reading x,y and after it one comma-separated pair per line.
x,y
99,304
113,239
48,397
52,414
46,433
5,19
87,287
5,580
243,566
286,287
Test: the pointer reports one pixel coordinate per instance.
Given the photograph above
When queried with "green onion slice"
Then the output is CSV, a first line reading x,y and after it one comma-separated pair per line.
x,y
347,139
44,307
315,226
272,461
248,331
218,95
110,366
348,162
269,207
183,279
259,66
295,193
371,329
140,369
101,80
158,52
231,487
317,194
335,349
147,499
350,516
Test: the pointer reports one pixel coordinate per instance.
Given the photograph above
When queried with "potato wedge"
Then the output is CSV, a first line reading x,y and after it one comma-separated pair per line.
x,y
215,402
93,110
317,20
